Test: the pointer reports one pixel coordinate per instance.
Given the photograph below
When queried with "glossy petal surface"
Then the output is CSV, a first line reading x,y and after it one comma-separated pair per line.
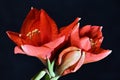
x,y
43,52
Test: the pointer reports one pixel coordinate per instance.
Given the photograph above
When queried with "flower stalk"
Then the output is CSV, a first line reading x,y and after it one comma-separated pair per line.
x,y
39,75
48,73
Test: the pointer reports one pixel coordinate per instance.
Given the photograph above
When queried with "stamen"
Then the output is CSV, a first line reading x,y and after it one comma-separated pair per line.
x,y
92,42
35,31
30,34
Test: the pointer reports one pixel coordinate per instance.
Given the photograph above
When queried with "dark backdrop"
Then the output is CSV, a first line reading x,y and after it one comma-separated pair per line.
x,y
105,13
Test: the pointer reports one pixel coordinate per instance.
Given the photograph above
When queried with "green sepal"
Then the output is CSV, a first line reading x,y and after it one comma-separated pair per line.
x,y
51,67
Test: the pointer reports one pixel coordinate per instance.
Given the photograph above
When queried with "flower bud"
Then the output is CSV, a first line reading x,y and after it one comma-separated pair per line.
x,y
70,60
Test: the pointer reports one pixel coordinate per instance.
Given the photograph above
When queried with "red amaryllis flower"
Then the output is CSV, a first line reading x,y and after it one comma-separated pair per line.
x,y
69,60
89,39
39,30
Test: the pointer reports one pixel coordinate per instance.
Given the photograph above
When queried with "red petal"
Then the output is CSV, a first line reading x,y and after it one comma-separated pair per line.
x,y
83,43
41,53
84,30
98,55
15,37
44,51
53,26
45,27
67,30
20,39
18,50
98,42
75,36
95,32
54,44
31,18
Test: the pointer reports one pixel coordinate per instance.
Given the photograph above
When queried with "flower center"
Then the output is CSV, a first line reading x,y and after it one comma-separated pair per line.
x,y
32,33
93,43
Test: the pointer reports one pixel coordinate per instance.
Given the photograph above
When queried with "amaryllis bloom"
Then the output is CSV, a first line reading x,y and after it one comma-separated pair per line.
x,y
40,31
37,29
89,39
69,60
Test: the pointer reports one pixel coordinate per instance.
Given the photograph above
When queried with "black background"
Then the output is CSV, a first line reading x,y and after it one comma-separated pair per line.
x,y
105,13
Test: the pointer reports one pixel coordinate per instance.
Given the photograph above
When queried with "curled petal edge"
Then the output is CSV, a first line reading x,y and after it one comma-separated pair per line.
x,y
92,57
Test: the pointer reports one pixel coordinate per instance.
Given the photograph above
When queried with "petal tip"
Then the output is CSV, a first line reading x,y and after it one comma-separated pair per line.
x,y
18,50
79,18
110,51
32,7
7,32
43,11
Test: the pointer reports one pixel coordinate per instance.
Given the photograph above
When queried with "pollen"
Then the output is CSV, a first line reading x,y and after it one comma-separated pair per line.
x,y
32,33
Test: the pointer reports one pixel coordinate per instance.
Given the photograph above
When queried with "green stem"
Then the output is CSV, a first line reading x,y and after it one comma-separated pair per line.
x,y
47,77
39,75
55,78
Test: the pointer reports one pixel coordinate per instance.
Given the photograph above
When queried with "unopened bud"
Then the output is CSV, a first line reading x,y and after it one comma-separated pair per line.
x,y
68,58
